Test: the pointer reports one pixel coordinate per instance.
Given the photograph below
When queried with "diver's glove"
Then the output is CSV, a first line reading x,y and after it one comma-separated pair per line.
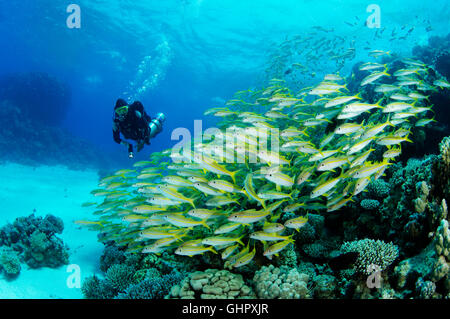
x,y
130,148
156,124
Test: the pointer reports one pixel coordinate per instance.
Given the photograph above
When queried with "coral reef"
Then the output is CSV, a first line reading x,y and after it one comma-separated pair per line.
x,y
411,234
426,275
399,223
133,276
35,242
436,53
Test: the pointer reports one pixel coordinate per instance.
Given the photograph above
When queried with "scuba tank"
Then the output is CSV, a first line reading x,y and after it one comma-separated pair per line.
x,y
155,125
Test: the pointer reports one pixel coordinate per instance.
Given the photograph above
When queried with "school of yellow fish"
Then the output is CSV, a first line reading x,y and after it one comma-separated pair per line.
x,y
235,196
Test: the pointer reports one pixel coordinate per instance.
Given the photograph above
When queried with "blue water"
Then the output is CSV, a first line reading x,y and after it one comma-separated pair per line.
x,y
200,51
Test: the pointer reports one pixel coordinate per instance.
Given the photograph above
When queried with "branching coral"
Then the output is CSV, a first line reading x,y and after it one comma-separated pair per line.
x,y
371,252
119,277
152,287
92,288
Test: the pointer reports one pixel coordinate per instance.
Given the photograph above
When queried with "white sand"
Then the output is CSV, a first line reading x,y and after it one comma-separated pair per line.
x,y
60,192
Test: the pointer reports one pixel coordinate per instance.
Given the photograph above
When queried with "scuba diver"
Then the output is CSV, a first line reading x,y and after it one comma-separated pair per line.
x,y
134,123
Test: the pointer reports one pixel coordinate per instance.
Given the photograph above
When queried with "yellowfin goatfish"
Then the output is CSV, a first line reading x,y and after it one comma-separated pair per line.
x,y
193,250
248,216
245,259
276,248
262,235
181,221
296,223
250,191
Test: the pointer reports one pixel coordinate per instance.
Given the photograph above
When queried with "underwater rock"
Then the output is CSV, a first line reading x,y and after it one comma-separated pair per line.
x,y
325,287
29,142
407,272
46,100
212,284
281,283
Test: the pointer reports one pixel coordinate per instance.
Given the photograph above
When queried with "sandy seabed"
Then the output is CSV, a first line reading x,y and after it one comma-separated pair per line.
x,y
58,191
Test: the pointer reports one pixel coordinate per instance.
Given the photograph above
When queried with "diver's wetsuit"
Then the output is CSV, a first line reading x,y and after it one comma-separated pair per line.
x,y
133,126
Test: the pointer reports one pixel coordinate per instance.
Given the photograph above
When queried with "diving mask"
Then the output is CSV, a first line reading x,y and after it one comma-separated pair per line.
x,y
122,111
